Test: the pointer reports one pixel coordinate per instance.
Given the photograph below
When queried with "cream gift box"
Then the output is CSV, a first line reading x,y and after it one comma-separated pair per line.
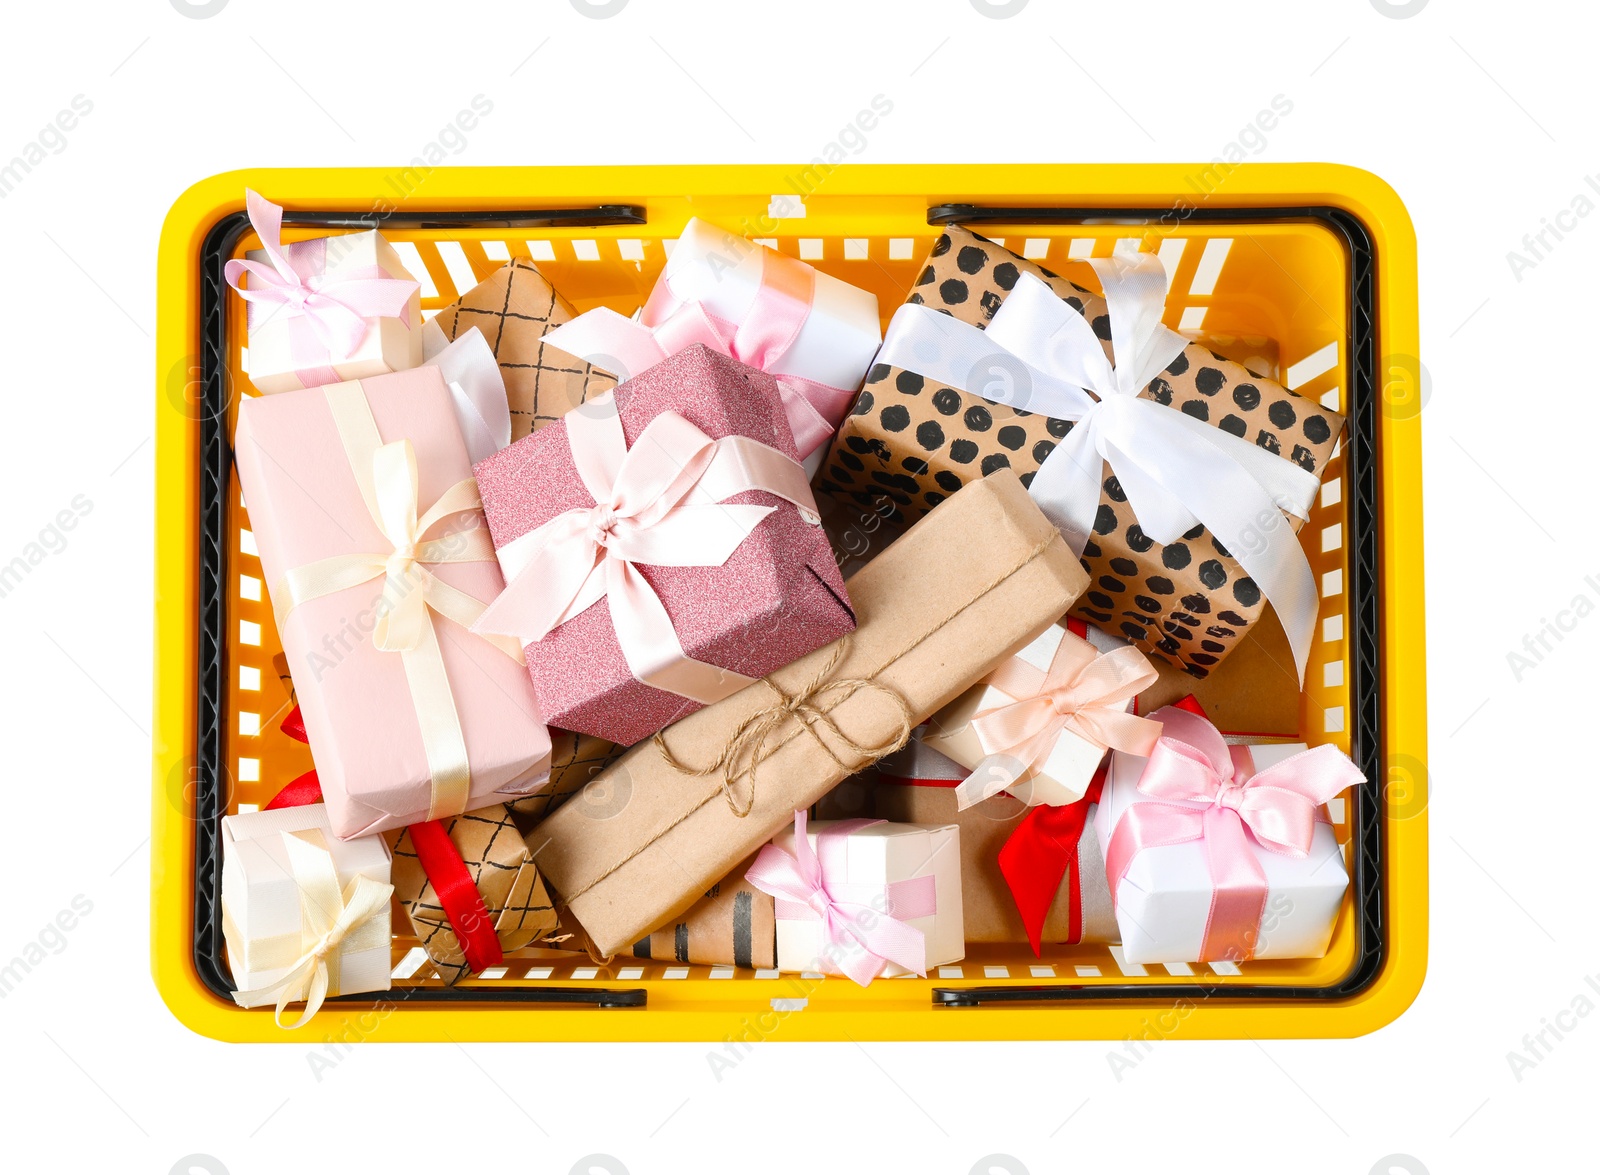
x,y
262,920
1068,767
1165,898
877,856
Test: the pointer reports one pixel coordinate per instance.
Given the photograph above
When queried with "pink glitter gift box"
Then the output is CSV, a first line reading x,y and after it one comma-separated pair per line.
x,y
305,470
778,596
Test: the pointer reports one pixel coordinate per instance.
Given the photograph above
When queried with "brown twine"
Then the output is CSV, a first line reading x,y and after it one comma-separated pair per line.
x,y
747,748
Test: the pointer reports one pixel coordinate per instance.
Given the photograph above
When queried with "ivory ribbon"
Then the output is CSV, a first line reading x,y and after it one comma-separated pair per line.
x,y
659,503
761,340
1084,693
813,884
1044,357
1244,809
327,313
387,477
330,922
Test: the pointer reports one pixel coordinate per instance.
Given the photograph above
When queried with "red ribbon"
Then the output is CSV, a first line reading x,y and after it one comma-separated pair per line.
x,y
1040,853
458,894
305,790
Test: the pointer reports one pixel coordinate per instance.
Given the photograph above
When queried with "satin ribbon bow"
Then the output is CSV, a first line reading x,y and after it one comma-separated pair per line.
x,y
335,306
330,921
659,503
1177,471
1203,789
760,339
863,928
387,475
1083,693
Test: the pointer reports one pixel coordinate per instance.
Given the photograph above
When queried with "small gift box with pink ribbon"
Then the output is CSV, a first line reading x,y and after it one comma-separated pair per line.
x,y
661,548
1219,849
1041,723
864,898
324,310
814,333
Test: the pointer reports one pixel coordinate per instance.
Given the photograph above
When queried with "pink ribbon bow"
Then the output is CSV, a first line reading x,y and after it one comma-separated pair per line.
x,y
1277,809
1083,692
761,340
333,307
660,502
863,927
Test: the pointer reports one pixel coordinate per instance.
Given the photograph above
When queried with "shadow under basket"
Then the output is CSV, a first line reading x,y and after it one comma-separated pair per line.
x,y
1306,273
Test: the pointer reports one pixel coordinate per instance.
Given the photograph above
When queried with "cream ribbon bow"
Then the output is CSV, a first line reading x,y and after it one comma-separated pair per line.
x,y
330,921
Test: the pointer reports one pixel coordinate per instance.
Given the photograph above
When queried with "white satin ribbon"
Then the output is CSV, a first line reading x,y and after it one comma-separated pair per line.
x,y
477,389
1039,355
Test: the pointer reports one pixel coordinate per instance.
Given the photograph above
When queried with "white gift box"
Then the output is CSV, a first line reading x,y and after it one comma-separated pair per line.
x,y
390,344
1164,900
1068,768
261,917
876,857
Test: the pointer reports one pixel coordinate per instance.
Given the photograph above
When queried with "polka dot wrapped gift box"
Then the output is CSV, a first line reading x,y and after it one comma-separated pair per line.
x,y
912,439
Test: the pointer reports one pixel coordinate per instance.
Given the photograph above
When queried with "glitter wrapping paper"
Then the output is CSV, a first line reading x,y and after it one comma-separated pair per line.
x,y
778,597
359,712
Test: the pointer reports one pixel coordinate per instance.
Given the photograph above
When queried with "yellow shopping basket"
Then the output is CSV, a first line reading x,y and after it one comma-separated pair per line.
x,y
1309,270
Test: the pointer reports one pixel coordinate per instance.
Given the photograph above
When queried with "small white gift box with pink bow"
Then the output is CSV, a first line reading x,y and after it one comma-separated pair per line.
x,y
1222,852
816,334
1039,726
324,310
864,898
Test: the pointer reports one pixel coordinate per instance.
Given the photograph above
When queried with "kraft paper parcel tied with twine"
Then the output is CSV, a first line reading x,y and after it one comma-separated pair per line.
x,y
684,808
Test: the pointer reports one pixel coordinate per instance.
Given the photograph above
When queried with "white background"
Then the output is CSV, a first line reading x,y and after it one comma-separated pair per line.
x,y
1480,115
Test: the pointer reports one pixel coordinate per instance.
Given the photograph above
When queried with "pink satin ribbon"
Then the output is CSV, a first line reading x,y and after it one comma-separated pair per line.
x,y
326,313
660,502
761,340
865,922
1276,810
1084,692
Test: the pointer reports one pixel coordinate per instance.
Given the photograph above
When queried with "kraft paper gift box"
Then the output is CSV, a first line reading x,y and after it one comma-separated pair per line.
x,y
732,925
515,307
575,759
1062,773
287,349
875,870
916,785
264,921
515,904
1168,907
915,439
306,462
677,813
776,597
814,332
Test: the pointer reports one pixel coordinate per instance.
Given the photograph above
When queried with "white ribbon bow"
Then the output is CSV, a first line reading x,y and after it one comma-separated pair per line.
x,y
1176,471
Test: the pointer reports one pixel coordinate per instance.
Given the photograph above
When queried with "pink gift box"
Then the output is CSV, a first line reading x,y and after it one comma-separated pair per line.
x,y
360,718
777,598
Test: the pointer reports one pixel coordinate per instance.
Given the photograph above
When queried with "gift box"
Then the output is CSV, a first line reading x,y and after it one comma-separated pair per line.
x,y
864,898
516,308
575,759
325,310
691,471
977,373
917,785
682,810
732,926
471,890
376,561
857,534
297,901
813,332
1041,723
1219,850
